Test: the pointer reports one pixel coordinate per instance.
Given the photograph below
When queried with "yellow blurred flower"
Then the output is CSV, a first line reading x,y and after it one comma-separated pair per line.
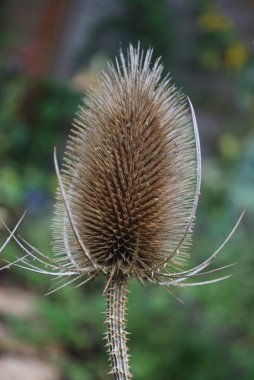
x,y
213,22
235,56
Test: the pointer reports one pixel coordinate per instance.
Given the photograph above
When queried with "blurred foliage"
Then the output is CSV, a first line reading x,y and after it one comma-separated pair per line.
x,y
144,21
220,46
211,335
34,113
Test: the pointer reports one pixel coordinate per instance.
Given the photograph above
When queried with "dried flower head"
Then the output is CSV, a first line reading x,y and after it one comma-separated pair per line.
x,y
128,191
129,173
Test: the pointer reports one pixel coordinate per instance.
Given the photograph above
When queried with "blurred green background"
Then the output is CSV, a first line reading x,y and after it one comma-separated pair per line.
x,y
50,52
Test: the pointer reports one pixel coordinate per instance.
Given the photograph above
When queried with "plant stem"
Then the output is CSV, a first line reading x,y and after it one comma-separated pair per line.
x,y
116,298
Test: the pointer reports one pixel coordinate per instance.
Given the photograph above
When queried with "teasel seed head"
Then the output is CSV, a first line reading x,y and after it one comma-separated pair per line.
x,y
129,172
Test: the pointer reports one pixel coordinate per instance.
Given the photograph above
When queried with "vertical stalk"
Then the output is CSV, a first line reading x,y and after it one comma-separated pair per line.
x,y
116,298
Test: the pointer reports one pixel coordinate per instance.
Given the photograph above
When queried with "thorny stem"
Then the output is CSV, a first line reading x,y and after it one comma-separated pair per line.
x,y
116,298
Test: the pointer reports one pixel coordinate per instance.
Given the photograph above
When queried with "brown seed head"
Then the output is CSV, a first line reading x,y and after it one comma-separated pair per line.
x,y
129,172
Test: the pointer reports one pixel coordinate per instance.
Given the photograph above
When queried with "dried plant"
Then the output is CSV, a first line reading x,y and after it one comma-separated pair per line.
x,y
128,192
